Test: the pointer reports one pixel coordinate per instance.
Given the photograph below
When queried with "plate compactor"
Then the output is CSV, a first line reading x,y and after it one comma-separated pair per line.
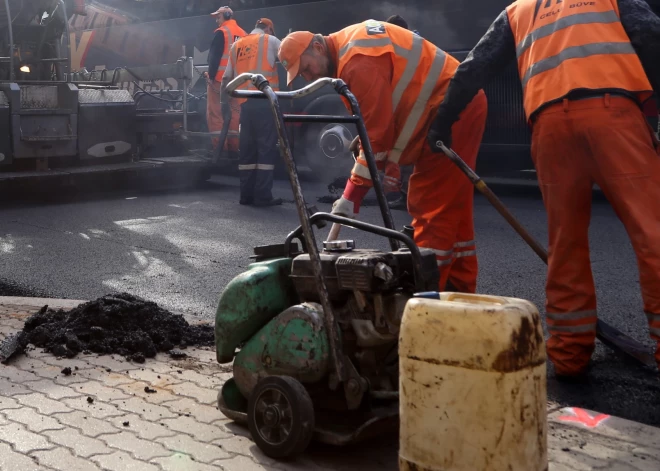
x,y
313,335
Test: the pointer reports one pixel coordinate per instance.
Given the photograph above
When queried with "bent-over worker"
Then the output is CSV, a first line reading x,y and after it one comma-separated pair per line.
x,y
399,80
228,31
256,53
585,67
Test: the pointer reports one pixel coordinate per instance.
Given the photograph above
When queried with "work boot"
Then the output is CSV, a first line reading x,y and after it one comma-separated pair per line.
x,y
271,202
397,201
246,202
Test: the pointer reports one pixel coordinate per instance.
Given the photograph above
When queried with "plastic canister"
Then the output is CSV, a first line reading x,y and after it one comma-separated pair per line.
x,y
472,385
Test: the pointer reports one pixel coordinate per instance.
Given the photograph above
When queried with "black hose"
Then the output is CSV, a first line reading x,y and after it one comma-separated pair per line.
x,y
11,42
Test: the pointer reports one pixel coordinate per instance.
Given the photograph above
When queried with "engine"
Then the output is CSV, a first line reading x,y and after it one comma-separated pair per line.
x,y
368,290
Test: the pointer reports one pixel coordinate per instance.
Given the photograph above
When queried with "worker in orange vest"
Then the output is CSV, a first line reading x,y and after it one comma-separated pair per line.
x,y
256,53
583,68
399,80
228,31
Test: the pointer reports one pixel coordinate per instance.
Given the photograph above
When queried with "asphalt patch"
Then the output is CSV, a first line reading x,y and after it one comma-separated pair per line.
x,y
613,386
120,324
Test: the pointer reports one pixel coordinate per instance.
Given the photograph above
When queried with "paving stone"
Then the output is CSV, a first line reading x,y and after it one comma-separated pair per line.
x,y
21,439
3,419
80,444
100,392
61,363
181,462
17,375
136,389
242,463
118,366
244,446
121,461
201,432
155,379
142,428
89,426
203,396
44,404
203,452
61,458
110,379
34,421
97,409
201,380
141,449
145,410
12,461
7,388
9,403
161,365
202,413
52,390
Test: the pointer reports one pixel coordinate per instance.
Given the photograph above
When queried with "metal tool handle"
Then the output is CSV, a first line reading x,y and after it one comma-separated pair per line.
x,y
300,93
334,232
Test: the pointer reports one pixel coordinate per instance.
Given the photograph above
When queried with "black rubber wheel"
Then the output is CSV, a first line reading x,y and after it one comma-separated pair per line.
x,y
281,416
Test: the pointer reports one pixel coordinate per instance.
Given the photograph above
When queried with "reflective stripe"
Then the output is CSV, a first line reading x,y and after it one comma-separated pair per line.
x,y
442,263
392,180
563,23
570,316
655,331
576,52
469,253
420,106
256,167
361,171
652,317
443,253
465,244
376,42
577,329
413,56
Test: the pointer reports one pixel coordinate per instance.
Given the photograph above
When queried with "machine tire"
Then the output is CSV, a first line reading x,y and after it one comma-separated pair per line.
x,y
281,397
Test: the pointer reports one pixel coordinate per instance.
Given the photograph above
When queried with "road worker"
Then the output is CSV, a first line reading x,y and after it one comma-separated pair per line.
x,y
399,80
585,68
256,53
228,31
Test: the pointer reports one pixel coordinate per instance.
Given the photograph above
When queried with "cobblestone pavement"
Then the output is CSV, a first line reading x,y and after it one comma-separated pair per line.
x,y
101,418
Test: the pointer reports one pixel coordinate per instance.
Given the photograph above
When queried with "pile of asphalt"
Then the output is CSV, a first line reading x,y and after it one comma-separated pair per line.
x,y
120,324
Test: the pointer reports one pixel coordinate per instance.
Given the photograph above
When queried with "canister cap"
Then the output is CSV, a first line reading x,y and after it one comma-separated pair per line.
x,y
338,245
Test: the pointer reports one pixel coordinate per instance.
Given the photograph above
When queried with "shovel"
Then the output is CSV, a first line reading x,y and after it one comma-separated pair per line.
x,y
607,334
336,228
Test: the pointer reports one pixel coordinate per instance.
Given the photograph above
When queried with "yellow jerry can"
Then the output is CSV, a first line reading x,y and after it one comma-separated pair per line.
x,y
472,384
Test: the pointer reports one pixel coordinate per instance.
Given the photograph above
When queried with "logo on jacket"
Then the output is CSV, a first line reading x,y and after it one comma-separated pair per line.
x,y
375,27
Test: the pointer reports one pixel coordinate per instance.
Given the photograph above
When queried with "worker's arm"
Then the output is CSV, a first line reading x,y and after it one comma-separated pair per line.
x,y
215,53
643,29
369,79
273,47
491,55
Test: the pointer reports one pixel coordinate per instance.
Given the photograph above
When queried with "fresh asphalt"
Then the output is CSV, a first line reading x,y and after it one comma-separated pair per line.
x,y
181,248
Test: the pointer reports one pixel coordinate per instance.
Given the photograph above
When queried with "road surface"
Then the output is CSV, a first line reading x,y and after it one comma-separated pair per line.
x,y
179,249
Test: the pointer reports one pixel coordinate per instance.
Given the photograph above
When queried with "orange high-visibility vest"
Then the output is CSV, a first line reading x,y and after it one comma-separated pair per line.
x,y
564,46
421,76
232,33
250,54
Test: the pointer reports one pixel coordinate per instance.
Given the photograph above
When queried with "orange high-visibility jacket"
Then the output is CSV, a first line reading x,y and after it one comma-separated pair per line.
x,y
421,76
232,33
564,46
250,54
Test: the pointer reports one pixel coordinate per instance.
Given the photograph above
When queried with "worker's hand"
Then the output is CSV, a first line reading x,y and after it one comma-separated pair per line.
x,y
439,134
345,208
226,110
391,184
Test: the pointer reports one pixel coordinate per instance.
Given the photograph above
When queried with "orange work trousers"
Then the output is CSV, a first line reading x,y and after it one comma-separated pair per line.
x,y
605,140
215,121
440,200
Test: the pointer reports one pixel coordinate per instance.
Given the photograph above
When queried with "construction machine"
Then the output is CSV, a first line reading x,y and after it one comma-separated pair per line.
x,y
80,128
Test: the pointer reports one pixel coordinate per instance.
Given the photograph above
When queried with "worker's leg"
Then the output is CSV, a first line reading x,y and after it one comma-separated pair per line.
x,y
561,157
232,141
247,164
467,134
214,119
440,199
265,137
628,172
